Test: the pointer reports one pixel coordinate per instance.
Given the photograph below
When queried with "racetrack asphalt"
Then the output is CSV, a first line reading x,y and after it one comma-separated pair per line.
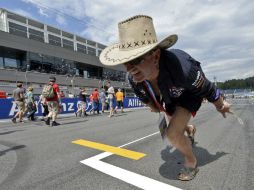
x,y
35,156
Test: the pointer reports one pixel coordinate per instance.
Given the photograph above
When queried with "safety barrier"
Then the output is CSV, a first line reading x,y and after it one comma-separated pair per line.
x,y
69,105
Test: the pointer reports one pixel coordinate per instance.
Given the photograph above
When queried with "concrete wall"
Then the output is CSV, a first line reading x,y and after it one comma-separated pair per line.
x,y
42,78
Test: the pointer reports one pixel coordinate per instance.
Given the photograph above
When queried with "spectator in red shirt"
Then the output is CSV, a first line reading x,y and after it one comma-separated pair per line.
x,y
53,103
95,95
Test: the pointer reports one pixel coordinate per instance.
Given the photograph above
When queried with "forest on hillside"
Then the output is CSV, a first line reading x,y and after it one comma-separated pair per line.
x,y
247,83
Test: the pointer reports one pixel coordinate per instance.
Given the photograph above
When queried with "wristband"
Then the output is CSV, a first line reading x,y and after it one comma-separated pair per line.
x,y
217,94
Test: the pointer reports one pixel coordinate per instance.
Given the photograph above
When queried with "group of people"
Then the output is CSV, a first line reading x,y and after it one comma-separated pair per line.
x,y
105,99
25,102
50,100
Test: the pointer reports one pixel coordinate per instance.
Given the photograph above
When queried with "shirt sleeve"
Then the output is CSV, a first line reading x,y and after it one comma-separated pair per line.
x,y
57,90
188,73
199,85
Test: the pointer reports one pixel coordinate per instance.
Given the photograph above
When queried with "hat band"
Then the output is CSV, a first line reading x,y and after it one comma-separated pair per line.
x,y
136,44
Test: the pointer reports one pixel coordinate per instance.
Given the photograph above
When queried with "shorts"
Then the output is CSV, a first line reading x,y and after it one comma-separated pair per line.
x,y
191,103
21,106
53,106
119,103
81,104
110,102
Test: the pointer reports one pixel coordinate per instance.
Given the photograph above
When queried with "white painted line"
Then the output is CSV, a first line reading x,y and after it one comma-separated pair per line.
x,y
240,120
132,178
139,139
135,179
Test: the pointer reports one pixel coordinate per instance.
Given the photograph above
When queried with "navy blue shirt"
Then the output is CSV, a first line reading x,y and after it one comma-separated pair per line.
x,y
82,97
181,82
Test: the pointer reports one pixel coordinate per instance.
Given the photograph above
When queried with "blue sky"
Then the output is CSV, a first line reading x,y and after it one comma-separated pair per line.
x,y
217,33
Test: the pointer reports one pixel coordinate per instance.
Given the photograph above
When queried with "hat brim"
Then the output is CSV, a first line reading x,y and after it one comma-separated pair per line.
x,y
111,55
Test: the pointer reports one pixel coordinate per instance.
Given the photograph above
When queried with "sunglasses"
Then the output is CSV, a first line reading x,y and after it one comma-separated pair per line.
x,y
140,60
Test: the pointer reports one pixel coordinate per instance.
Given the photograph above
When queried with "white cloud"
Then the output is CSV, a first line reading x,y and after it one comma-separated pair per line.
x,y
218,33
22,12
61,20
43,12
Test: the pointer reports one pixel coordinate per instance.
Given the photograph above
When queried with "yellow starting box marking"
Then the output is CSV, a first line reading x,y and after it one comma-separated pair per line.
x,y
115,150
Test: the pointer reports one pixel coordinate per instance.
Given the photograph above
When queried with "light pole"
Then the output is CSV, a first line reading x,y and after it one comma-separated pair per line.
x,y
26,74
16,77
215,80
72,84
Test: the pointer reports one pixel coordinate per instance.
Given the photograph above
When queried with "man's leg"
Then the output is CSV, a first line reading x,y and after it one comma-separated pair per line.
x,y
47,120
20,116
23,110
122,106
190,132
97,107
78,111
17,115
32,115
102,106
85,107
175,132
111,109
55,110
190,128
92,107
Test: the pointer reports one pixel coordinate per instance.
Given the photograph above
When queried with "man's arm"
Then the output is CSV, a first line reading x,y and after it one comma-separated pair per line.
x,y
222,106
58,94
200,86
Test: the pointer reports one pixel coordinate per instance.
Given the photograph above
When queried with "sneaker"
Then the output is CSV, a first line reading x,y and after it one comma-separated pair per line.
x,y
14,120
47,121
54,123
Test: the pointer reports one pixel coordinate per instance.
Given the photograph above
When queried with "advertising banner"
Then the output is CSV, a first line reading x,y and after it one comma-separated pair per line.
x,y
69,105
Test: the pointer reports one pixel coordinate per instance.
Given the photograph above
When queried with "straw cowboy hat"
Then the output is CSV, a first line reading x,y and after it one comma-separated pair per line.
x,y
136,37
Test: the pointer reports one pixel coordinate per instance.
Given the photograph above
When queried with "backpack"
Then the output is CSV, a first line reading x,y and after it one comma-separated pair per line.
x,y
48,91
